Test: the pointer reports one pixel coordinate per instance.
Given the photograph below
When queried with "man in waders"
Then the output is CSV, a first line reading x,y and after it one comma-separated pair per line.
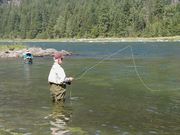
x,y
57,79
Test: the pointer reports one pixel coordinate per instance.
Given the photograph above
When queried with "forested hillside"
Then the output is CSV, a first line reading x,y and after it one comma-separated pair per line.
x,y
89,18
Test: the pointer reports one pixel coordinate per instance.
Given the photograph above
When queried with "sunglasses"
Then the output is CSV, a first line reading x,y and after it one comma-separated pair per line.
x,y
61,59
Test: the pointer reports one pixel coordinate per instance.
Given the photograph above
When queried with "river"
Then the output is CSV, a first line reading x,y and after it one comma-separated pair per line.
x,y
111,93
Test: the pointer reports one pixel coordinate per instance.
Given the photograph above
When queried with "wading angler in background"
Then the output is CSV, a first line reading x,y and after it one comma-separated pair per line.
x,y
57,79
28,57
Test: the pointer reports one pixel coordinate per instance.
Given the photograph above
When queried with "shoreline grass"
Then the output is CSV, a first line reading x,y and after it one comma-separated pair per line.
x,y
12,47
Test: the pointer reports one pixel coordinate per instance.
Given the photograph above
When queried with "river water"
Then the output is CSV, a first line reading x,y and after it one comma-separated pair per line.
x,y
111,95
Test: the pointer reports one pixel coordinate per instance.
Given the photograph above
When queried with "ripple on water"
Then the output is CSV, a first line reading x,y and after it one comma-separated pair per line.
x,y
27,134
153,132
152,110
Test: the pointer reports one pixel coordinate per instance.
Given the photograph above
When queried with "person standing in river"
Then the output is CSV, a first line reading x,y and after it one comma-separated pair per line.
x,y
57,79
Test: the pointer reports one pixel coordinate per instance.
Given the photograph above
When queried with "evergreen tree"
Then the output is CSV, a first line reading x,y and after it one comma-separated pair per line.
x,y
85,19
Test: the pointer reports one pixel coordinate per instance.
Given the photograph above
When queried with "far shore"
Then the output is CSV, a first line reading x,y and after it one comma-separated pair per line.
x,y
129,39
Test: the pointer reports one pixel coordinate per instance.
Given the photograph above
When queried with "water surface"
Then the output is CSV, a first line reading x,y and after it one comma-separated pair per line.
x,y
109,99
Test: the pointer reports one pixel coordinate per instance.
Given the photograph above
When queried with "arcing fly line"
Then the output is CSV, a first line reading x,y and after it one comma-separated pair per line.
x,y
137,73
139,76
134,65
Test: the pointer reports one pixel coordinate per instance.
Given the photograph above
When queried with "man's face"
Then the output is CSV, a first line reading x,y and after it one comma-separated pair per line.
x,y
60,60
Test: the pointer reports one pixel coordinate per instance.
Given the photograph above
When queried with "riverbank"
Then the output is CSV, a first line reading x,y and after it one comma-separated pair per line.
x,y
129,39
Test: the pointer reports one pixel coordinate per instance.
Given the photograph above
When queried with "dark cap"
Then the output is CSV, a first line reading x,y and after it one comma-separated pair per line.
x,y
58,55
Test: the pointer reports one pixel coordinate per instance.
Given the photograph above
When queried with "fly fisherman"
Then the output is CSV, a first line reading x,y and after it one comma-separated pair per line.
x,y
57,79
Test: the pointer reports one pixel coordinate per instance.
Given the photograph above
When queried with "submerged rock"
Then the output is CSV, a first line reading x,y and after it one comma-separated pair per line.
x,y
36,52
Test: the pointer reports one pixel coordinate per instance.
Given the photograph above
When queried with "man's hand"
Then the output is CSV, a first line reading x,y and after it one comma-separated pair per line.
x,y
70,79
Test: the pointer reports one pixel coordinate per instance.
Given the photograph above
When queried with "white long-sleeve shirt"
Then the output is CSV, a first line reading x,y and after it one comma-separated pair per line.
x,y
57,74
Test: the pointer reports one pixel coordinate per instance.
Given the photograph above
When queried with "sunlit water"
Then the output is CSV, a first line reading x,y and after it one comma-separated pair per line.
x,y
109,99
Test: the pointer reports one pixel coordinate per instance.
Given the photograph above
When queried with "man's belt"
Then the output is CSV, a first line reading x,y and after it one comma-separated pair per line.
x,y
62,84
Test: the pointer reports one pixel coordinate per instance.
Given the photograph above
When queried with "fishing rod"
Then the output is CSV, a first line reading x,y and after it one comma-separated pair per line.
x,y
83,73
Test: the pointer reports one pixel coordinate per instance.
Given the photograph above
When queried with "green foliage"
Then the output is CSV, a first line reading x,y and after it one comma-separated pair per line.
x,y
12,47
89,19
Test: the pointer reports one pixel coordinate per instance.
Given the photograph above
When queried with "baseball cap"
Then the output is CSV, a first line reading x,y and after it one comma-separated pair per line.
x,y
58,55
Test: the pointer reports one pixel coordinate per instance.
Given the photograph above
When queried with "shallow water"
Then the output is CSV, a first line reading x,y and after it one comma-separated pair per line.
x,y
109,99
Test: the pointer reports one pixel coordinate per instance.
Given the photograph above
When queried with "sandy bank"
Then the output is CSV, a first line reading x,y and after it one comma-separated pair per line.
x,y
129,39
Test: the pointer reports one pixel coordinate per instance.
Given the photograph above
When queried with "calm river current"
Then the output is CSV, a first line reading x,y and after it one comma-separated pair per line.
x,y
112,94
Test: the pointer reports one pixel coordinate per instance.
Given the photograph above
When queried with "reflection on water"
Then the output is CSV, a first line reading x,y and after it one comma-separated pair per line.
x,y
27,74
58,119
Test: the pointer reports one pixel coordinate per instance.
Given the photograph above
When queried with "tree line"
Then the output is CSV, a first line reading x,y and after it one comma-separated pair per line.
x,y
45,19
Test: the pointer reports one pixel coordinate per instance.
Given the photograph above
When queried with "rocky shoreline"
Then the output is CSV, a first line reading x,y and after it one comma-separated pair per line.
x,y
36,52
